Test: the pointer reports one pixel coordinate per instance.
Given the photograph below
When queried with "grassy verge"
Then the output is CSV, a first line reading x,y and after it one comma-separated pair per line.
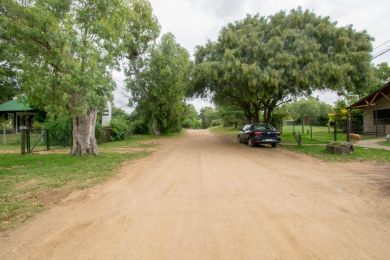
x,y
30,183
385,143
10,147
224,130
360,153
320,134
316,146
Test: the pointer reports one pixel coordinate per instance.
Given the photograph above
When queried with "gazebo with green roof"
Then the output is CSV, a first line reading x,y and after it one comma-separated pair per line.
x,y
21,113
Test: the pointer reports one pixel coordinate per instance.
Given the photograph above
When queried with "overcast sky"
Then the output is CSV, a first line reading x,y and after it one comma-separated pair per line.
x,y
193,22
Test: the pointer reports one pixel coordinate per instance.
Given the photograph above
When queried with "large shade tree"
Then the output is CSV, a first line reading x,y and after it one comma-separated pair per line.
x,y
158,84
260,62
66,50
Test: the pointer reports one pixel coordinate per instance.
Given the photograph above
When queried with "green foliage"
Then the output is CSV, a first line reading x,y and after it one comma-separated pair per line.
x,y
207,116
191,118
260,62
381,76
139,126
360,153
102,134
309,111
120,128
118,112
160,85
298,138
8,82
67,49
60,130
230,115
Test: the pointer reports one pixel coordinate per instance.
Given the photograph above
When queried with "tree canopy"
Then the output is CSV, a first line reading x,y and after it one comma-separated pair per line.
x,y
158,85
260,62
66,50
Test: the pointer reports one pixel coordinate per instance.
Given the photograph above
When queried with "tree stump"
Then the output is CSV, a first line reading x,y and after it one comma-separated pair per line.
x,y
335,148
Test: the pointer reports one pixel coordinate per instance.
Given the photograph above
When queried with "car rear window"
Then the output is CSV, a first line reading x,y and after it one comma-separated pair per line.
x,y
264,127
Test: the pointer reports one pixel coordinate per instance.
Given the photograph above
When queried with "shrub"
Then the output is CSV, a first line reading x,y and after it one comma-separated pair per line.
x,y
139,126
102,134
298,138
216,122
188,123
120,128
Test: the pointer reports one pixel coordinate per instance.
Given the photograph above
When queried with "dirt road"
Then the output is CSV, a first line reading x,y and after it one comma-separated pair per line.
x,y
202,196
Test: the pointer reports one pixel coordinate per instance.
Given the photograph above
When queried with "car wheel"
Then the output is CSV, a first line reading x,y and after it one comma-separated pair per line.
x,y
273,145
238,139
250,142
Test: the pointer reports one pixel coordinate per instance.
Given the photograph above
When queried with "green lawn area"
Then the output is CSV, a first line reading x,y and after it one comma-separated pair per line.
x,y
224,130
316,146
360,153
29,183
10,147
385,143
320,134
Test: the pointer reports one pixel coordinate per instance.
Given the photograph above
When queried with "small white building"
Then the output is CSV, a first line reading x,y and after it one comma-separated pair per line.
x,y
107,114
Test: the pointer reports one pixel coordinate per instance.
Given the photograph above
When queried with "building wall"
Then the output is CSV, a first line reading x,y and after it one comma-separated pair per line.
x,y
368,116
107,114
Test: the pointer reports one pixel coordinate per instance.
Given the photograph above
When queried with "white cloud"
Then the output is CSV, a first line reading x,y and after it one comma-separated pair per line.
x,y
193,22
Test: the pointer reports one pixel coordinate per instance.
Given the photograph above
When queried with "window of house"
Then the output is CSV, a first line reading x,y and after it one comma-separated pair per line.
x,y
381,117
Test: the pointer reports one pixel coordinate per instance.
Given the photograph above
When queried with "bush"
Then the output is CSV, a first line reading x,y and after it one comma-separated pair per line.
x,y
120,128
216,122
102,134
139,126
298,138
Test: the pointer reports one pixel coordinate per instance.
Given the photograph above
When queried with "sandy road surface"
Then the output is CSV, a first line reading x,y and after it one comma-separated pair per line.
x,y
202,196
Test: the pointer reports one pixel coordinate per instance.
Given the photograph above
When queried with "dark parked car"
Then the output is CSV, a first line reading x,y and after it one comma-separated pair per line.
x,y
259,134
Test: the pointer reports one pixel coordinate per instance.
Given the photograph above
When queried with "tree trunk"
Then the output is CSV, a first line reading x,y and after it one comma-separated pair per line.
x,y
267,115
84,141
154,129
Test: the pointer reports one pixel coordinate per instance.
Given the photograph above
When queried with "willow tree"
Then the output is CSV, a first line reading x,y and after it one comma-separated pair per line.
x,y
259,62
66,51
158,85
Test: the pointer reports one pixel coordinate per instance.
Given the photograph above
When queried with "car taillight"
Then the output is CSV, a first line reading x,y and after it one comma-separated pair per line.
x,y
258,133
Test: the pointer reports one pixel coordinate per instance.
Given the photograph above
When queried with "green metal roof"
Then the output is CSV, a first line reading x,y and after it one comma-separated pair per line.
x,y
14,106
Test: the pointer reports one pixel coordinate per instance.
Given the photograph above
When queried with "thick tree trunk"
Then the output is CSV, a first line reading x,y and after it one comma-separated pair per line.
x,y
84,141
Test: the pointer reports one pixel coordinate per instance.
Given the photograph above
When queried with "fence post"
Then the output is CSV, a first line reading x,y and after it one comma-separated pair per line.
x,y
23,141
28,141
47,140
4,135
311,131
334,131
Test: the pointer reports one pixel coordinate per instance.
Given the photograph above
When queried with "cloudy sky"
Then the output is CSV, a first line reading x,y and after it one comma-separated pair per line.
x,y
193,22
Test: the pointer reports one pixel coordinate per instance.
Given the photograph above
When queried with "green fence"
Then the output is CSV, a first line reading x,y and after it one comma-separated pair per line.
x,y
35,140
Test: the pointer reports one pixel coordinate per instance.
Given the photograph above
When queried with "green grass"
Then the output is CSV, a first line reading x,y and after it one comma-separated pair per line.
x,y
384,143
224,130
360,153
29,183
10,147
316,146
320,134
